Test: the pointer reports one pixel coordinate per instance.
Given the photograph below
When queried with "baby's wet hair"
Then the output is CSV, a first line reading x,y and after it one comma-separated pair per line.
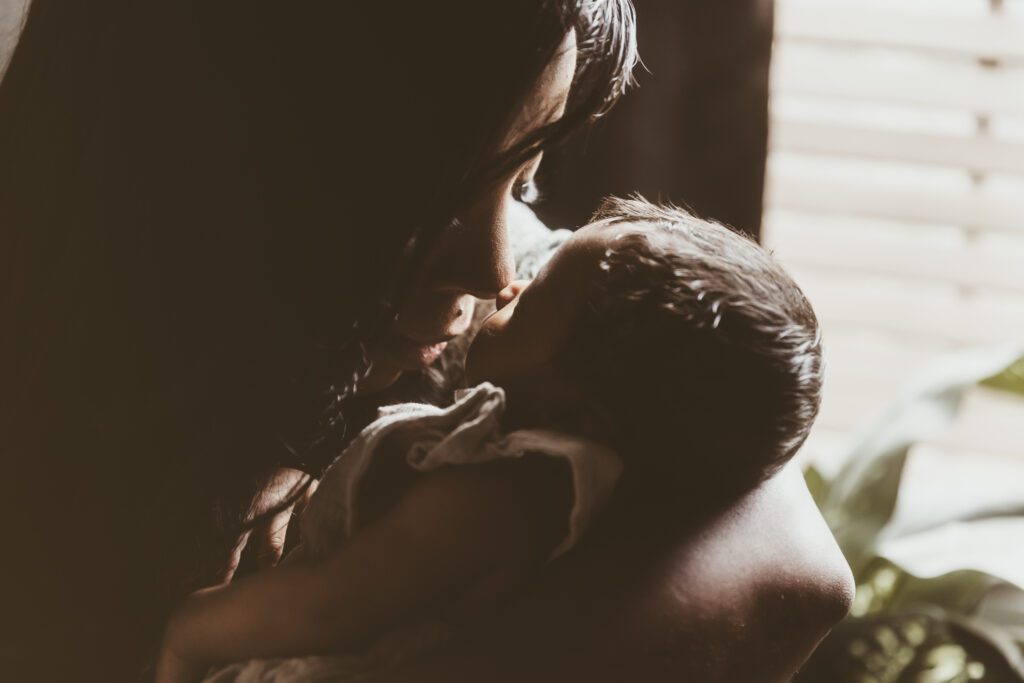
x,y
699,345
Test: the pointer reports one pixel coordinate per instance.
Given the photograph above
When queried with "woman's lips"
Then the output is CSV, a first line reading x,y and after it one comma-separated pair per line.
x,y
426,355
410,353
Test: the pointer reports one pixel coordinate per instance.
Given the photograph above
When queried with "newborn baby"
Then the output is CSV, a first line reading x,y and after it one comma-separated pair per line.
x,y
653,345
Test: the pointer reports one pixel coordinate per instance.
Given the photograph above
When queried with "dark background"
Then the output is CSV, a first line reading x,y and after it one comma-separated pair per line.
x,y
695,130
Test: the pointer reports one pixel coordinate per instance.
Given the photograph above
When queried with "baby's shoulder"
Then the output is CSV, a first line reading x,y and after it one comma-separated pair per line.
x,y
526,500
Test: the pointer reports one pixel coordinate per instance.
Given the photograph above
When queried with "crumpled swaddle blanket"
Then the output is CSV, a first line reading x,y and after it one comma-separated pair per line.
x,y
466,432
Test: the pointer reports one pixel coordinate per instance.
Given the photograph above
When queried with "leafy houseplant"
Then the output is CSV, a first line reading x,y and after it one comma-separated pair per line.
x,y
940,600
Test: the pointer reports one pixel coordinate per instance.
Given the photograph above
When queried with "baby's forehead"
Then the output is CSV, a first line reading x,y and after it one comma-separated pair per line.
x,y
605,233
578,260
593,242
580,257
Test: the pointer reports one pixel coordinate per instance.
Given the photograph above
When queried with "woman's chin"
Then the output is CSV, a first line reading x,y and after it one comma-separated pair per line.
x,y
396,350
378,379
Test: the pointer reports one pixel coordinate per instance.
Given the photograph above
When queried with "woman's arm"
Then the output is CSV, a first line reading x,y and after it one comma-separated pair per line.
x,y
455,526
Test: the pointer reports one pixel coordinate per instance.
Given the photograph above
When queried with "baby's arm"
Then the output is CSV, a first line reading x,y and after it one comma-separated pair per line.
x,y
454,527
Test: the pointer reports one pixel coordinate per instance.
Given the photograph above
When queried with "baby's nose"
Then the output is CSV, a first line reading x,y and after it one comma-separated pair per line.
x,y
509,293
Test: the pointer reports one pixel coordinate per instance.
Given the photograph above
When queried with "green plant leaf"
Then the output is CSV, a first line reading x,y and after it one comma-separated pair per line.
x,y
888,587
816,484
859,502
1011,379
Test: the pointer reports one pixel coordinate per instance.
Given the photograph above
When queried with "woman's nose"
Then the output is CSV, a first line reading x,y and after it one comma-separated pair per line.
x,y
476,257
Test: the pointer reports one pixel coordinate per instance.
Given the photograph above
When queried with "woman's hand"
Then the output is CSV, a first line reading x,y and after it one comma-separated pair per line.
x,y
270,533
182,657
172,668
173,665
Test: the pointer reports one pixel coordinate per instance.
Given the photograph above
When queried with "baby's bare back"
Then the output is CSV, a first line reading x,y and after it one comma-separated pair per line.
x,y
742,597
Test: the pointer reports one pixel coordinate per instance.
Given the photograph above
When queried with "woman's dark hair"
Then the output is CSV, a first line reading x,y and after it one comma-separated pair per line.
x,y
204,207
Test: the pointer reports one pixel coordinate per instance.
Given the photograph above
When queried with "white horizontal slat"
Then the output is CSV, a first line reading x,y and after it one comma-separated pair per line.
x,y
791,187
898,307
844,409
874,106
883,361
862,75
977,36
824,248
889,116
940,484
988,420
867,354
1010,128
825,449
12,18
973,153
985,426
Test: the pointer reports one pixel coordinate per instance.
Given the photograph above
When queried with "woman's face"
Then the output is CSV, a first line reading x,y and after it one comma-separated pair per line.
x,y
472,259
534,318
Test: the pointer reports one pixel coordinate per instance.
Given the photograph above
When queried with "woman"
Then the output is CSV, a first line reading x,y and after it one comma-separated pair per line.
x,y
230,231
232,228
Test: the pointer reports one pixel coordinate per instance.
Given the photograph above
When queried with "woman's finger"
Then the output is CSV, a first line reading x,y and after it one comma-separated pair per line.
x,y
235,558
272,532
271,538
300,504
293,536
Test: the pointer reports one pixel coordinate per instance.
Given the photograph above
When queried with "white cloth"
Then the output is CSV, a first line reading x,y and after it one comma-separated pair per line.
x,y
465,433
533,243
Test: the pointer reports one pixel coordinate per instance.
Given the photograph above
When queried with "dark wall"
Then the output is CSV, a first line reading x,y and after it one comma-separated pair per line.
x,y
694,132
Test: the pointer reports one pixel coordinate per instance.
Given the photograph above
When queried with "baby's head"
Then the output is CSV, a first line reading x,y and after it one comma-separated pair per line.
x,y
680,341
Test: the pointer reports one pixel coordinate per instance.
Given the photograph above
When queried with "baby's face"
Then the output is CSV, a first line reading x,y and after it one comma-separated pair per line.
x,y
533,318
